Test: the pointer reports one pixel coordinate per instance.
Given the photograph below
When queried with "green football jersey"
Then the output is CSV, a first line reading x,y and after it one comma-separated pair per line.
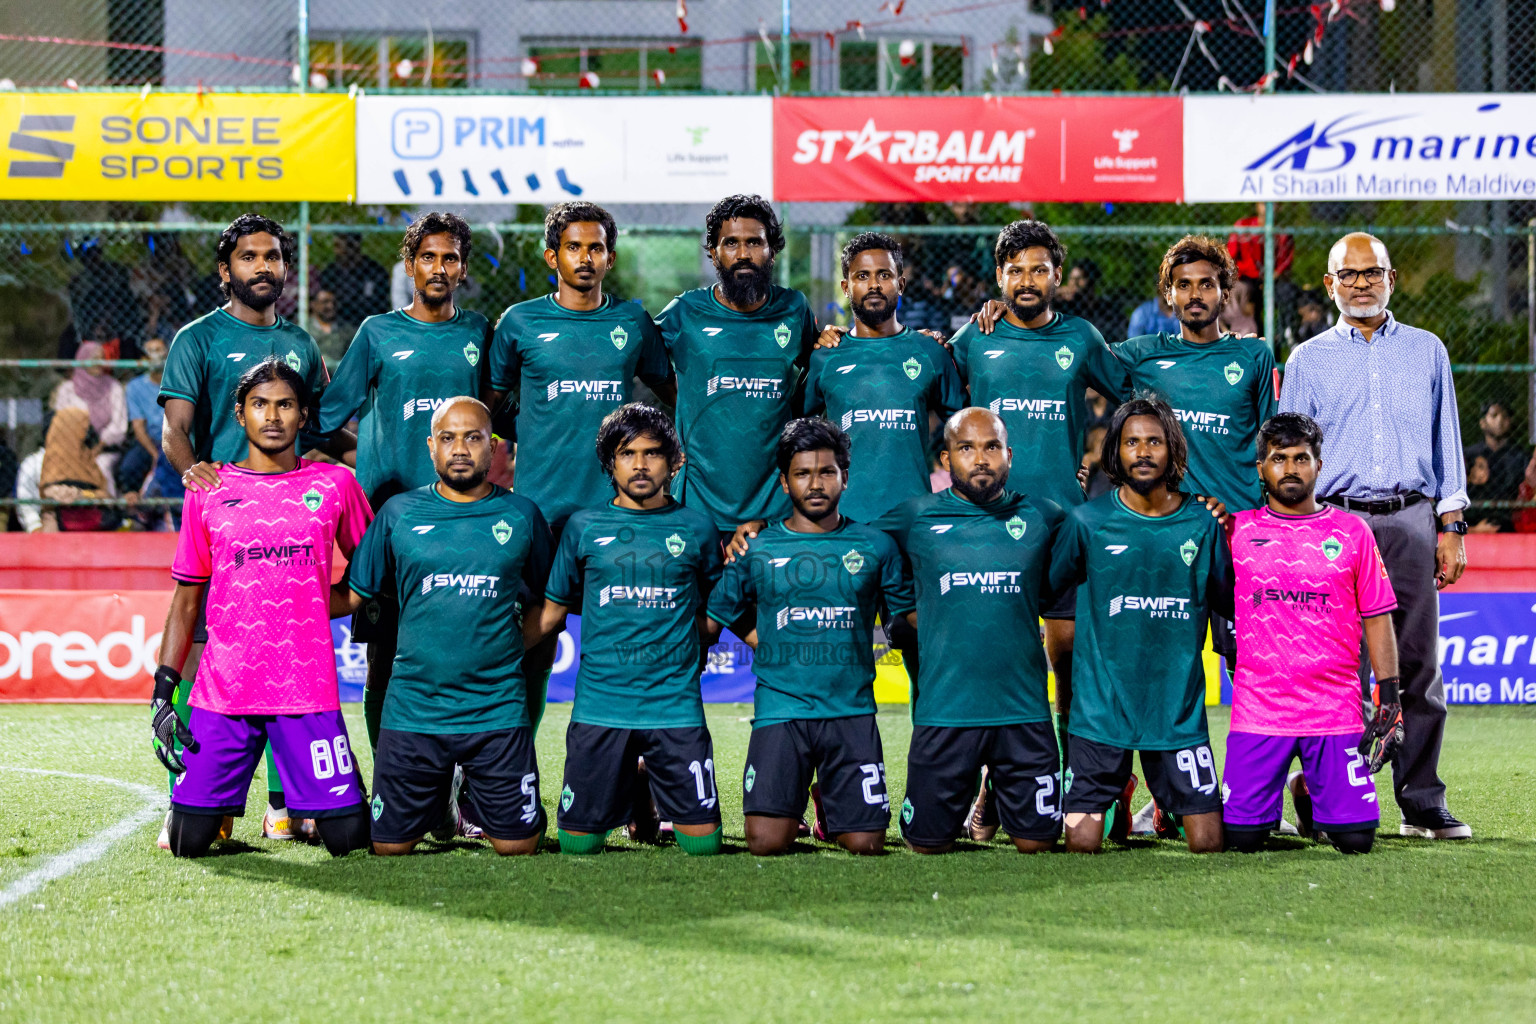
x,y
880,391
1034,380
639,579
455,568
814,598
207,358
1146,587
395,374
982,575
570,369
1222,393
738,377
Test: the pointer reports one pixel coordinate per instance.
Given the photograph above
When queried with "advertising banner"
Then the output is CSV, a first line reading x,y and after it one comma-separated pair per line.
x,y
175,146
975,148
1462,146
532,149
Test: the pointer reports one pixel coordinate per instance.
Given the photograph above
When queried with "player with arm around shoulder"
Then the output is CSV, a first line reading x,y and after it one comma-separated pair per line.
x,y
1309,581
258,547
639,569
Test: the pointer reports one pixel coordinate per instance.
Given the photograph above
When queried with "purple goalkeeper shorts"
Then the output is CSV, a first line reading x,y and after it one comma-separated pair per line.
x,y
313,755
1343,792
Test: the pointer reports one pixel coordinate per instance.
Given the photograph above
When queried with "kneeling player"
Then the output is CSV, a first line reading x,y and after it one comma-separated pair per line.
x,y
811,587
1309,581
980,556
1151,564
260,545
641,567
453,553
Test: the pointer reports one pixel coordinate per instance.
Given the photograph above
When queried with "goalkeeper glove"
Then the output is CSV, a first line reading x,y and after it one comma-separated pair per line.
x,y
168,727
1384,732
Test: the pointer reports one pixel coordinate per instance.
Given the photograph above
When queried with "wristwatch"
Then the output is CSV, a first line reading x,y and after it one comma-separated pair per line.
x,y
1459,526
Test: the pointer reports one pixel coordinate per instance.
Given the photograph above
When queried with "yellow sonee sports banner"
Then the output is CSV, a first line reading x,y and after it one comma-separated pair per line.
x,y
171,146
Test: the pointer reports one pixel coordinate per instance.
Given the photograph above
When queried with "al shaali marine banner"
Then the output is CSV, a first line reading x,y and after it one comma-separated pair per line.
x,y
531,149
1458,146
176,146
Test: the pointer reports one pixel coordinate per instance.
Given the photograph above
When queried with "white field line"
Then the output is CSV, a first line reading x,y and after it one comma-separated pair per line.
x,y
62,864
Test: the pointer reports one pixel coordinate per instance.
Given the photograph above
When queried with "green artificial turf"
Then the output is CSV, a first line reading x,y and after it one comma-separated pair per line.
x,y
268,931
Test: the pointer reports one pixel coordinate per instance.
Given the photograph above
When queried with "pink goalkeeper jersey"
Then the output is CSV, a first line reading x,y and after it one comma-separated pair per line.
x,y
1303,585
262,543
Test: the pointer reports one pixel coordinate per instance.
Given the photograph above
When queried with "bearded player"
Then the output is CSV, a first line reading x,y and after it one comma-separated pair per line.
x,y
980,556
809,588
401,366
259,548
1310,581
207,359
639,568
455,555
1151,564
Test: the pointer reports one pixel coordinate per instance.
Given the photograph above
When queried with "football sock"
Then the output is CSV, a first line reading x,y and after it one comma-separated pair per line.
x,y
192,834
183,693
341,835
1357,841
693,846
1243,840
592,843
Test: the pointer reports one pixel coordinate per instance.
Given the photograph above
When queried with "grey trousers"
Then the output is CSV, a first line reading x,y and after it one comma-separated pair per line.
x,y
1407,541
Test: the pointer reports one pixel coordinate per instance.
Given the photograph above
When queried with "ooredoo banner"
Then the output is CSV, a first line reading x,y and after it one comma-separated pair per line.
x,y
550,149
80,645
979,148
177,146
1462,146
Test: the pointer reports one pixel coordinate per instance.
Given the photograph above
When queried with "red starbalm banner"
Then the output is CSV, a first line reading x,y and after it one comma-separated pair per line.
x,y
979,149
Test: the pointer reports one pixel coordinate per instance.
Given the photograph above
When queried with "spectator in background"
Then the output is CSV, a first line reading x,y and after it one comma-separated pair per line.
x,y
29,487
1479,489
1100,410
101,297
360,285
94,390
1506,459
1247,250
330,334
1240,312
71,471
959,296
164,283
1312,316
144,420
1154,316
1078,296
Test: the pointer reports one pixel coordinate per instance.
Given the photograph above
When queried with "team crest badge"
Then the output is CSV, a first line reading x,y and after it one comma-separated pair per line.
x,y
1188,550
1332,548
472,354
1234,373
501,531
376,808
1066,781
1064,358
371,609
293,362
312,500
566,798
620,337
748,779
675,545
912,368
1016,527
906,812
781,335
853,561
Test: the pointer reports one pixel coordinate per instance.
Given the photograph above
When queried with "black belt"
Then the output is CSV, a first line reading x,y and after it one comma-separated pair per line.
x,y
1380,507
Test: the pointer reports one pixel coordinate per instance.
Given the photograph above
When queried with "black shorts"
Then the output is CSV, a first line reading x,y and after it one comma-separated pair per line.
x,y
943,768
377,621
1064,607
847,759
1181,781
413,775
1224,640
600,776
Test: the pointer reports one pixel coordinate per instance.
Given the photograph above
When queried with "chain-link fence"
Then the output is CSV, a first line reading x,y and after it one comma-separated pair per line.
x,y
128,272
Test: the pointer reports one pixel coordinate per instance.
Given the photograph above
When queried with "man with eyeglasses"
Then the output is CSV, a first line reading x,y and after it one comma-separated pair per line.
x,y
1383,394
